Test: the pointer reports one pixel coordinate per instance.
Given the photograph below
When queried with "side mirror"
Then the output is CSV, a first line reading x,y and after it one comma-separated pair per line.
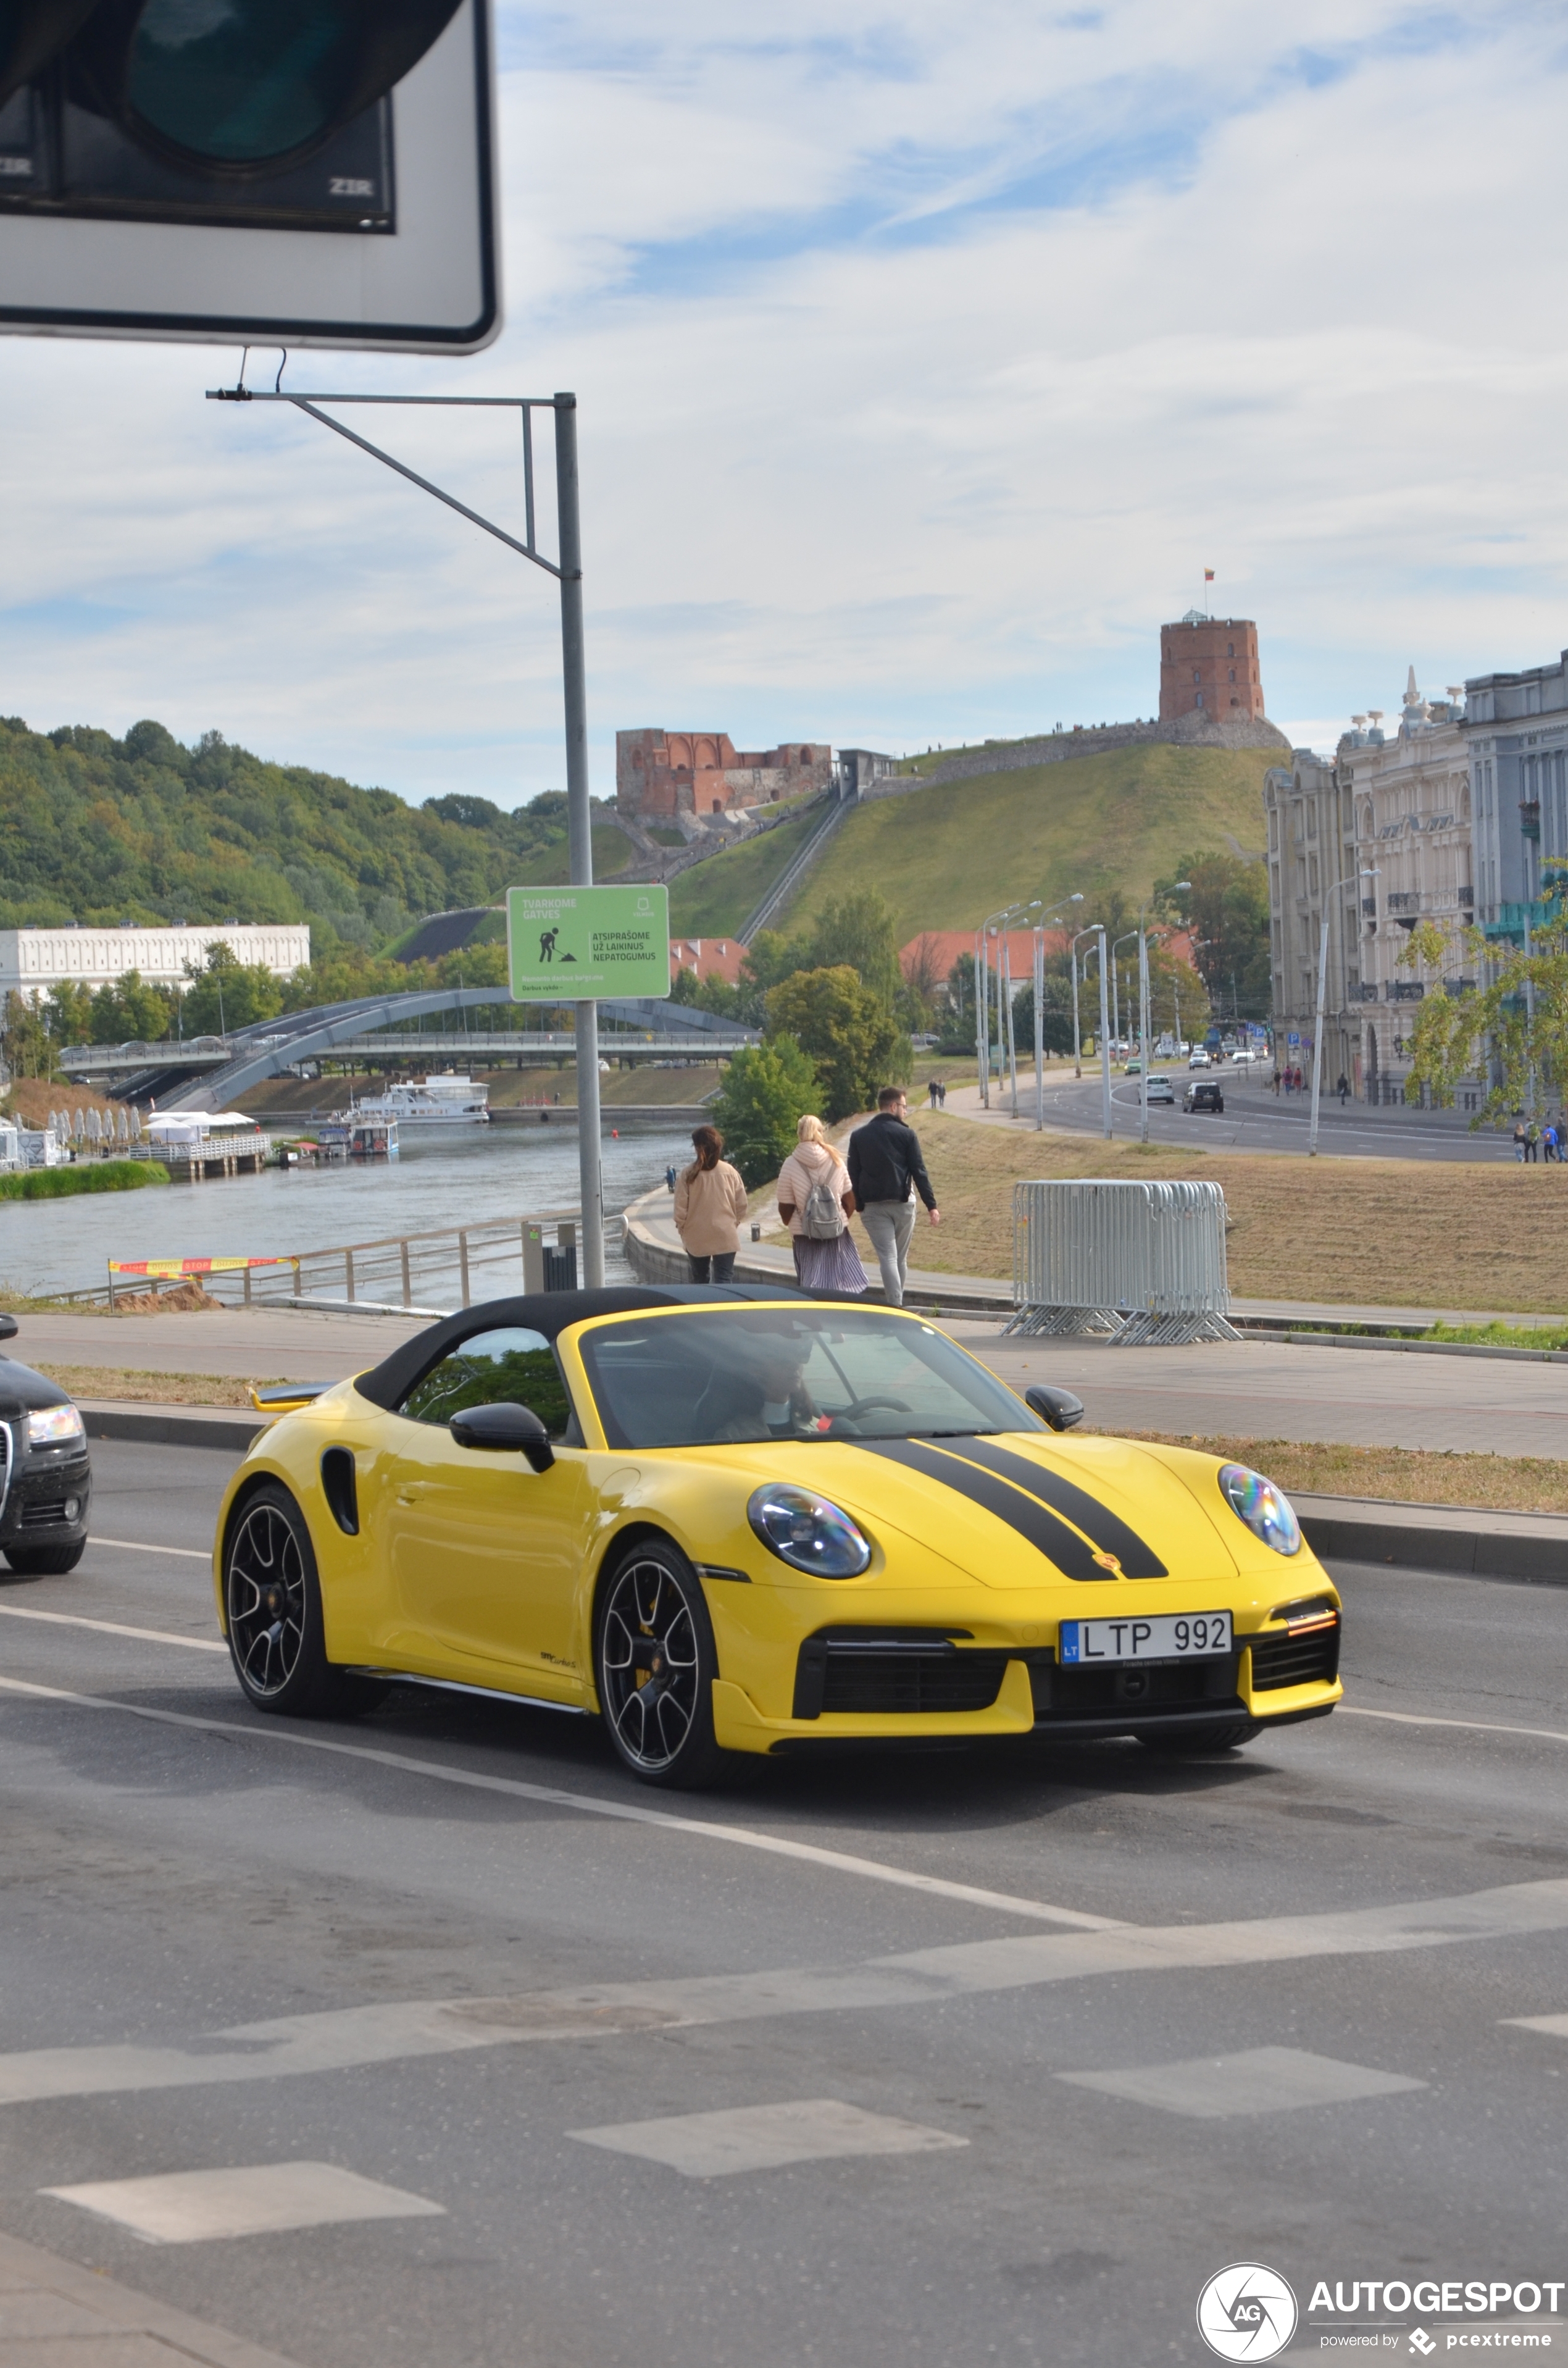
x,y
8,1327
1060,1408
503,1427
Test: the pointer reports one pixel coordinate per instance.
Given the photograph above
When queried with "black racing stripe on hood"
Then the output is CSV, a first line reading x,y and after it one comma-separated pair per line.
x,y
1109,1532
1030,1519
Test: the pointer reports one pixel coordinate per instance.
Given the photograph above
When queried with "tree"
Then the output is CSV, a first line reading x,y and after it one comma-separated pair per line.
x,y
853,1041
922,981
128,1011
766,1089
229,993
69,1013
1056,1006
1459,1032
856,930
1226,908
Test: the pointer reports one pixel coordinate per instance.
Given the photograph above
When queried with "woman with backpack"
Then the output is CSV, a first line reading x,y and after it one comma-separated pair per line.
x,y
710,1201
815,1203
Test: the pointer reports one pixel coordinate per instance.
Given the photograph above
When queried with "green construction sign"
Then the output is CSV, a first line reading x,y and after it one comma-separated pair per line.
x,y
580,945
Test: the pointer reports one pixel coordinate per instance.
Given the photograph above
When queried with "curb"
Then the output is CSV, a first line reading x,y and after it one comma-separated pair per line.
x,y
1415,1348
1528,1550
165,1426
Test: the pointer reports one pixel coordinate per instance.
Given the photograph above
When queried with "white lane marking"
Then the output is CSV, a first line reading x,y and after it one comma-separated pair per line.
x,y
1256,2080
348,2036
130,1545
764,2138
554,1797
186,2207
1467,1725
113,1628
1556,2025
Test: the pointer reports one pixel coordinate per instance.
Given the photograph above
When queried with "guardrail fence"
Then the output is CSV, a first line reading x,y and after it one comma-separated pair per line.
x,y
428,1274
1144,1263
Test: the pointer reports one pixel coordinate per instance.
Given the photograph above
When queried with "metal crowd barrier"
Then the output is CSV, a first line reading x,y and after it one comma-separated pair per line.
x,y
1144,1263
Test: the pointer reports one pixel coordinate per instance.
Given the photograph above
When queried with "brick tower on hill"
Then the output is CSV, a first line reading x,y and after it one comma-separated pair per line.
x,y
1209,666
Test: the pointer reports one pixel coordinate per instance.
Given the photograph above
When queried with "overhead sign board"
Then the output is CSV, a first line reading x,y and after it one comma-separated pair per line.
x,y
579,945
281,172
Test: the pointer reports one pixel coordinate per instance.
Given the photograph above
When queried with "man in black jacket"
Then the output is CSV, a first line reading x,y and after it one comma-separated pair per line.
x,y
886,1170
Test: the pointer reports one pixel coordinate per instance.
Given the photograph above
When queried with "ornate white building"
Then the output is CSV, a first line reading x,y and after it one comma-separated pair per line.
x,y
1394,806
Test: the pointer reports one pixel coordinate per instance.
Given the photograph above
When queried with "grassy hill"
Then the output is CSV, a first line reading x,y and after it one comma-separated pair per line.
x,y
946,856
713,898
97,829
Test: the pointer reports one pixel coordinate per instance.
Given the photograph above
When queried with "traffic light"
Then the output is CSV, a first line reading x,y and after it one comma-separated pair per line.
x,y
271,109
264,115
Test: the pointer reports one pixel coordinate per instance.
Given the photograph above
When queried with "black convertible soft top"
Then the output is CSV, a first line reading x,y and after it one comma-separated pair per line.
x,y
388,1383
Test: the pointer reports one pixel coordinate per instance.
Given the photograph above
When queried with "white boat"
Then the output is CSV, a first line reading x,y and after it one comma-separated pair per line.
x,y
445,1100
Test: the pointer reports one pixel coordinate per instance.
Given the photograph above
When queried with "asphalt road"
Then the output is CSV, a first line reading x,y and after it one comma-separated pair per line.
x,y
1046,2165
1254,1118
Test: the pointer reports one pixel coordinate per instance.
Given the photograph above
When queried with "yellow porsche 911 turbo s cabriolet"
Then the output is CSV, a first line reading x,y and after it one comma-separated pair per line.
x,y
730,1519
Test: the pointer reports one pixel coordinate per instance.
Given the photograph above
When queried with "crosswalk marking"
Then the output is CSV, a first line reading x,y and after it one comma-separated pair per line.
x,y
382,2033
1255,2080
766,2138
114,1628
188,2207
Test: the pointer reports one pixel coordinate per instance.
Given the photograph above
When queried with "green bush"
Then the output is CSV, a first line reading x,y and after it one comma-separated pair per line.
x,y
766,1089
103,1176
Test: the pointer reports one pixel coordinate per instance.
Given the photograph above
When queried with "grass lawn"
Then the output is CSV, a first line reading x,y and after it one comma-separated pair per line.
x,y
713,898
1382,1231
947,856
1402,1475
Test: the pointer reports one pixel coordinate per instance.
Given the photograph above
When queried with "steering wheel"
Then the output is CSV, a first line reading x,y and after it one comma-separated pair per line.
x,y
852,1413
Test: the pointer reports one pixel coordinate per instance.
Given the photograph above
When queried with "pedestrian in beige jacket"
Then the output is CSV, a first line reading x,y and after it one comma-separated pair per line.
x,y
710,1201
825,1255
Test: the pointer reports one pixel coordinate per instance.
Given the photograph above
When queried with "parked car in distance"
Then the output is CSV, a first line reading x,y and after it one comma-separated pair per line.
x,y
1200,1059
1160,1090
1135,1068
1203,1094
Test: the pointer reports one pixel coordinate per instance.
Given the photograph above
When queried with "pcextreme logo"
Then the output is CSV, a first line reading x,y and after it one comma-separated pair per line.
x,y
1246,2311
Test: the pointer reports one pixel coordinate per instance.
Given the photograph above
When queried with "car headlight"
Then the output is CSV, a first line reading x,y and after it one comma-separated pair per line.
x,y
806,1530
51,1425
1263,1506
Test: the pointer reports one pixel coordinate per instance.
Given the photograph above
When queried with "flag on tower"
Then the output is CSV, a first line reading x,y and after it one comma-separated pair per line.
x,y
1209,575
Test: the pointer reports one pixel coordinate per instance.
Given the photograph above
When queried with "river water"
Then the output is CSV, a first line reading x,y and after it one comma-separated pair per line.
x,y
463,1176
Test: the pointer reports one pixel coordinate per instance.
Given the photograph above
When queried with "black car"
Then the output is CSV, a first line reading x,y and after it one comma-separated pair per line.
x,y
1203,1093
45,1479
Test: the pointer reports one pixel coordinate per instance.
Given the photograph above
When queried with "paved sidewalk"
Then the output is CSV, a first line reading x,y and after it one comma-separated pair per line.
x,y
54,2315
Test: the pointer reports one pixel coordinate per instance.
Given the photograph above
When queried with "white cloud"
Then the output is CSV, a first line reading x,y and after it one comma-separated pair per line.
x,y
923,363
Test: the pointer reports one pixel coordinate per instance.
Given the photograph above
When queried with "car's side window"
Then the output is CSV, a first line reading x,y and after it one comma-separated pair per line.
x,y
511,1366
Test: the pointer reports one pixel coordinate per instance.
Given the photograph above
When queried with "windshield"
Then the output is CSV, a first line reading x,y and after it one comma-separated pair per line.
x,y
704,1380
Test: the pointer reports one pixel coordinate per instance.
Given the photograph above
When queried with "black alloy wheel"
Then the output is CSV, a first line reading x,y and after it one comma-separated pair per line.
x,y
272,1598
654,1664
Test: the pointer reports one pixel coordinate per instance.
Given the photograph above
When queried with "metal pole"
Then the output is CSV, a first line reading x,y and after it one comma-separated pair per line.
x,y
580,827
1007,991
982,995
1143,1033
1115,998
979,1017
1317,1033
1040,1025
1077,1040
1105,1048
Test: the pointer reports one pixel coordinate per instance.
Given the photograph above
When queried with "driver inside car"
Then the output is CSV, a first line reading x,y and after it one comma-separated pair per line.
x,y
772,1400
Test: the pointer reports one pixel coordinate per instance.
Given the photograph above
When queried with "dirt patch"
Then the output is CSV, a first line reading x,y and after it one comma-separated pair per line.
x,y
143,1388
1340,1232
1403,1476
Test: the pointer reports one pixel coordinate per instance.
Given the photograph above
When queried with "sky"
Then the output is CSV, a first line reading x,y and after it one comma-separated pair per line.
x,y
924,358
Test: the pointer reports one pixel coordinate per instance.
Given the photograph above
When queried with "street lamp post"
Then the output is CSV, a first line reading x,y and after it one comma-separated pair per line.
x,y
1076,898
1105,1047
1092,930
1338,890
